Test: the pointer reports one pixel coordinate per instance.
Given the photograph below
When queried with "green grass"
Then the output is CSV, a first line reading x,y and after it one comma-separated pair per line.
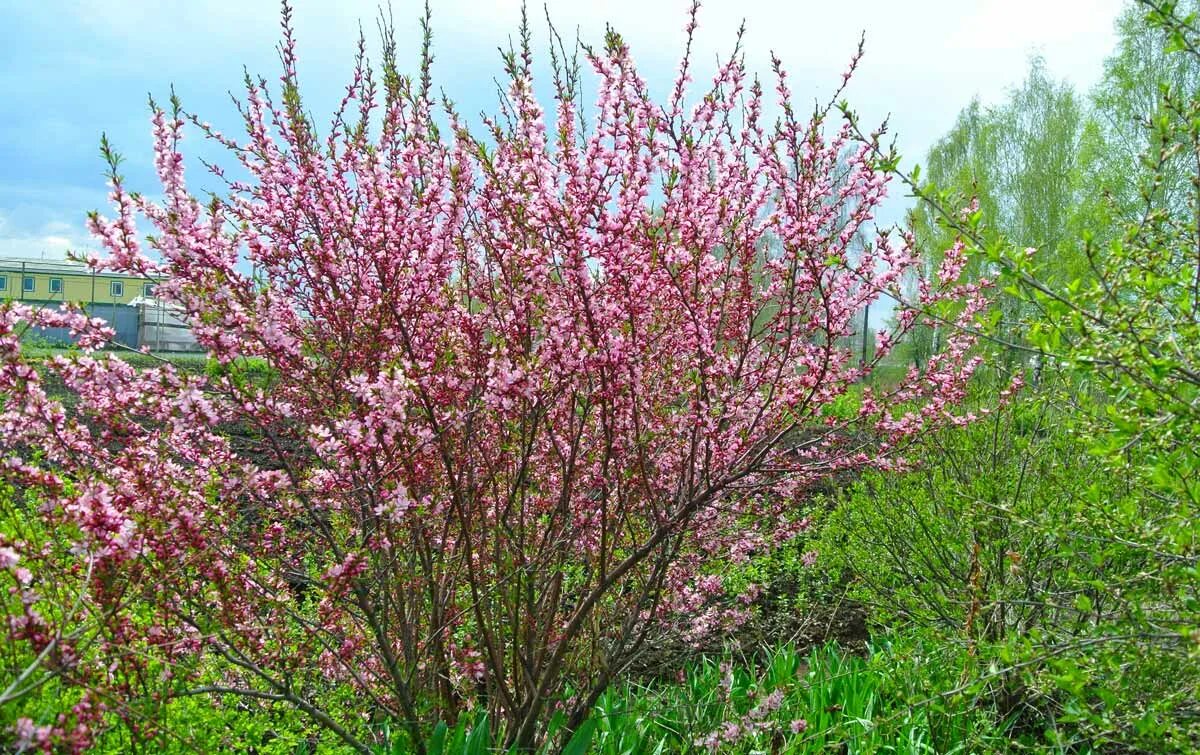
x,y
138,359
791,702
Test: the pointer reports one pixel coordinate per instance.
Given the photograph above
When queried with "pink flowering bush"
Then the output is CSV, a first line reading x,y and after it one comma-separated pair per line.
x,y
513,392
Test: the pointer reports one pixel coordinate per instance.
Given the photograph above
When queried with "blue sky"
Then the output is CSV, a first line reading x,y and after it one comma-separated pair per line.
x,y
71,69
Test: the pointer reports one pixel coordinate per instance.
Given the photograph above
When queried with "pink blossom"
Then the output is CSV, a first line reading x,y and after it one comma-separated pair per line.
x,y
487,397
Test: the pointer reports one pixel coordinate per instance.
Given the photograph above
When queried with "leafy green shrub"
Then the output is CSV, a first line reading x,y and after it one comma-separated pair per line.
x,y
244,371
1017,544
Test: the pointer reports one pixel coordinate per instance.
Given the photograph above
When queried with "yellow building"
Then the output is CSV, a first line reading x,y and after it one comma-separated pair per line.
x,y
56,281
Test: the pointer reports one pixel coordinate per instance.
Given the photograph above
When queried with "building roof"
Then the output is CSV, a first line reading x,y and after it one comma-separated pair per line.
x,y
60,267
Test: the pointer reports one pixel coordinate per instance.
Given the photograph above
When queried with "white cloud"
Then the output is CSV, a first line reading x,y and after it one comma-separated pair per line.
x,y
36,247
51,240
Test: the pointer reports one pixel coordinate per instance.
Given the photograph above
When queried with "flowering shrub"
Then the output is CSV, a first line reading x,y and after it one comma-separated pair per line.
x,y
518,390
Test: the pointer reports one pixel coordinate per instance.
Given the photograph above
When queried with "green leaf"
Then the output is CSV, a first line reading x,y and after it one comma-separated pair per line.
x,y
457,742
581,739
480,740
437,743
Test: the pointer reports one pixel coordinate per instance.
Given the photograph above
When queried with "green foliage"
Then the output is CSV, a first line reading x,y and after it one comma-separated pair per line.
x,y
242,372
1060,173
1017,543
1002,485
847,703
32,682
1128,99
790,703
1069,559
41,349
221,724
35,341
28,684
1016,166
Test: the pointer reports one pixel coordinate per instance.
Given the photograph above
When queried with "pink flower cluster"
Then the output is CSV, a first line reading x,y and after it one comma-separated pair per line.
x,y
486,406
